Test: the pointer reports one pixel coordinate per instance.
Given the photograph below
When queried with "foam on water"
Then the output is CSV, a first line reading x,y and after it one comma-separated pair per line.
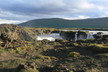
x,y
76,36
91,31
50,37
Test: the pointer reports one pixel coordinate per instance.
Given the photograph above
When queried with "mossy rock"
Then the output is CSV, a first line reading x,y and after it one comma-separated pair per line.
x,y
85,40
46,58
74,54
27,70
27,67
93,70
100,48
102,54
75,44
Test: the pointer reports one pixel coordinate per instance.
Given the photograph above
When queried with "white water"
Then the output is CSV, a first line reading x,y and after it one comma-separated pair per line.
x,y
90,36
53,36
76,36
50,37
95,32
91,31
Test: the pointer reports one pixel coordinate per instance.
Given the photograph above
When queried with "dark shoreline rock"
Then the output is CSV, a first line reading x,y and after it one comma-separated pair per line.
x,y
70,35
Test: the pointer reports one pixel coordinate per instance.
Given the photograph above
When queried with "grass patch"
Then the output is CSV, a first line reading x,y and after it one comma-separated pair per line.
x,y
103,54
12,63
98,48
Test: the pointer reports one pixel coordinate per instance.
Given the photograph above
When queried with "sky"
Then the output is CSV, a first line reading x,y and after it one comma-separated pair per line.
x,y
17,11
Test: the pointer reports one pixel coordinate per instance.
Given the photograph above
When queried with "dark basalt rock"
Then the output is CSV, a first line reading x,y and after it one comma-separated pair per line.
x,y
45,41
61,68
27,67
105,37
55,31
70,35
100,36
82,35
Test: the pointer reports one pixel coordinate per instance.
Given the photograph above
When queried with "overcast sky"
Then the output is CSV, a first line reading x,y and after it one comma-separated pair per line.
x,y
16,11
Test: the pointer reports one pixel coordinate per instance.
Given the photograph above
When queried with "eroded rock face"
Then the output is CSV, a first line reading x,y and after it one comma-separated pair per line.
x,y
13,32
68,35
23,33
73,35
12,36
82,35
105,37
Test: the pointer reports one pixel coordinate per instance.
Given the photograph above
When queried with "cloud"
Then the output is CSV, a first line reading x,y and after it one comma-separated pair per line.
x,y
76,18
34,9
4,21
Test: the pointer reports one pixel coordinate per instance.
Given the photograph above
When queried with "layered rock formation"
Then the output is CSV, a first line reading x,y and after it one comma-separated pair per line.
x,y
69,35
82,34
73,35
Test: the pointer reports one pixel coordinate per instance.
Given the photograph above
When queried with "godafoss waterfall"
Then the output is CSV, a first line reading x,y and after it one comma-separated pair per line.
x,y
73,35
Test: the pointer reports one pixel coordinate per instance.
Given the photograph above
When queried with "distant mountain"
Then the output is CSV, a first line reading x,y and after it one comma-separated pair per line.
x,y
63,23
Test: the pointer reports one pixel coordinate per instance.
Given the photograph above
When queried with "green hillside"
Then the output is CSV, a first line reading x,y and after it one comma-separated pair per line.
x,y
63,23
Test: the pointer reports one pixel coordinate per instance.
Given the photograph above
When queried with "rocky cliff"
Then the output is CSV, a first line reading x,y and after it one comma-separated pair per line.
x,y
73,35
68,35
14,32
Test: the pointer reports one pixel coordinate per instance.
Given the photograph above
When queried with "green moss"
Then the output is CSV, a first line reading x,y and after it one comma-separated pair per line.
x,y
74,54
2,50
75,44
45,57
103,54
12,50
101,48
18,50
12,63
85,40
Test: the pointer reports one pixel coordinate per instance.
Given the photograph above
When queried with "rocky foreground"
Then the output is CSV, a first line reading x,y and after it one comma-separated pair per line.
x,y
19,52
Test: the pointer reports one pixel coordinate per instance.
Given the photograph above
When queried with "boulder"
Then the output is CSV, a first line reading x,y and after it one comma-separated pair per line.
x,y
98,36
27,67
105,37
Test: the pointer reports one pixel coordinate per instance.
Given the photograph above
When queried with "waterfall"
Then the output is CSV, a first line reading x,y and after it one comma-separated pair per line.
x,y
50,37
53,36
76,36
90,36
